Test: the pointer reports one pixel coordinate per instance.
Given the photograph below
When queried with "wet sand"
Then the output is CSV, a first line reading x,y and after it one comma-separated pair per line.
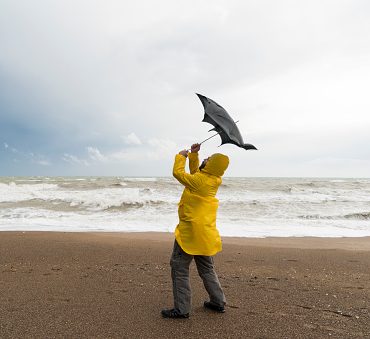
x,y
113,285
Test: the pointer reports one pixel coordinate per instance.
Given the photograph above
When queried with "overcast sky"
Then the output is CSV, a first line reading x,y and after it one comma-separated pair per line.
x,y
108,87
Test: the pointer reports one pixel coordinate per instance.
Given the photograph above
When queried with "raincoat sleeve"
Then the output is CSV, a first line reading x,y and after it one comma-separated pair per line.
x,y
191,181
193,163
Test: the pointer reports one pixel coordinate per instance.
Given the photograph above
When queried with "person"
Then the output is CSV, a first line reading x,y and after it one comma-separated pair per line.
x,y
196,235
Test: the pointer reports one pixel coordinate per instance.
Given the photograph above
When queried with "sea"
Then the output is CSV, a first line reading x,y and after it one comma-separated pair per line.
x,y
249,207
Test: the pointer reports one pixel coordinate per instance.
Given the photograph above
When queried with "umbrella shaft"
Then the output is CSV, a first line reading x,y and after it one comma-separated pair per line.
x,y
206,140
209,138
214,135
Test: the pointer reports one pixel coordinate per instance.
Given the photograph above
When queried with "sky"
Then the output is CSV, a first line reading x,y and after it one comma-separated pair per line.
x,y
107,88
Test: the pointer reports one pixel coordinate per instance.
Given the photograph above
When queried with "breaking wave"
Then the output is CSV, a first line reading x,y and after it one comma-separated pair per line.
x,y
360,216
351,216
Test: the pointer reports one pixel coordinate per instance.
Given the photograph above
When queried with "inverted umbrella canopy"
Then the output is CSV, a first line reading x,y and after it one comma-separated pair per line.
x,y
223,124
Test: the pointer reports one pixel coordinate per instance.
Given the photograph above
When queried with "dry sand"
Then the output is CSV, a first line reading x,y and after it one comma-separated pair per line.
x,y
107,285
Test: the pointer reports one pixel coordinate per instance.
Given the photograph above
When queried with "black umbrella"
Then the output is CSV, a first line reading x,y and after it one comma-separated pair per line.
x,y
223,124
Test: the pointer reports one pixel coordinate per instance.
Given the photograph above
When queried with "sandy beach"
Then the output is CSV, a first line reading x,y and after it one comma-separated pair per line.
x,y
113,285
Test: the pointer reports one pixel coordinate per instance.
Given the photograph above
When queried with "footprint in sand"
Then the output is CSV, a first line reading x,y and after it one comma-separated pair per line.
x,y
56,268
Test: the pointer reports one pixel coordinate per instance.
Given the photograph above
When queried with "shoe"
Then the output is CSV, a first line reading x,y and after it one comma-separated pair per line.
x,y
174,314
214,307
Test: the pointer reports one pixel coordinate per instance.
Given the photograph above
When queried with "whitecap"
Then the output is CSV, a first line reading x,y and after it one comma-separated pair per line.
x,y
140,179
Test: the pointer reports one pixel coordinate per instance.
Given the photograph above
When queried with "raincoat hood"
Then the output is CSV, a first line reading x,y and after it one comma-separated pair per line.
x,y
217,164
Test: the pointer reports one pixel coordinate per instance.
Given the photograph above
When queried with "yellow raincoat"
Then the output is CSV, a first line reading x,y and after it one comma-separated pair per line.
x,y
196,232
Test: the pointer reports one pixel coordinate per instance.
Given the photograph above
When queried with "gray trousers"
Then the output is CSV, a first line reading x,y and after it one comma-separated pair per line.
x,y
180,262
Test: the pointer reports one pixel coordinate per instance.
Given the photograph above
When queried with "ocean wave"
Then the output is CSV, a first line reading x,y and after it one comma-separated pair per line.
x,y
125,206
81,206
284,189
351,216
140,179
118,184
315,217
13,192
360,216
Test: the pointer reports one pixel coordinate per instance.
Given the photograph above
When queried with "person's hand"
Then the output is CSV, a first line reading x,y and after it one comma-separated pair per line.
x,y
184,152
195,148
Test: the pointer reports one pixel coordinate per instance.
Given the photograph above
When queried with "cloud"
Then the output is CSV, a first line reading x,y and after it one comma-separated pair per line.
x,y
161,148
30,157
43,162
152,148
12,149
95,154
332,167
149,149
73,160
132,139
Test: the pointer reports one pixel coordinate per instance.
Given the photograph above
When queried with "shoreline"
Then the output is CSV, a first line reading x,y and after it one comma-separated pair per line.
x,y
309,242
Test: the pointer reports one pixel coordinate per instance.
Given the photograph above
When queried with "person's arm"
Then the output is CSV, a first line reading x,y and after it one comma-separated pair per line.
x,y
194,159
188,180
